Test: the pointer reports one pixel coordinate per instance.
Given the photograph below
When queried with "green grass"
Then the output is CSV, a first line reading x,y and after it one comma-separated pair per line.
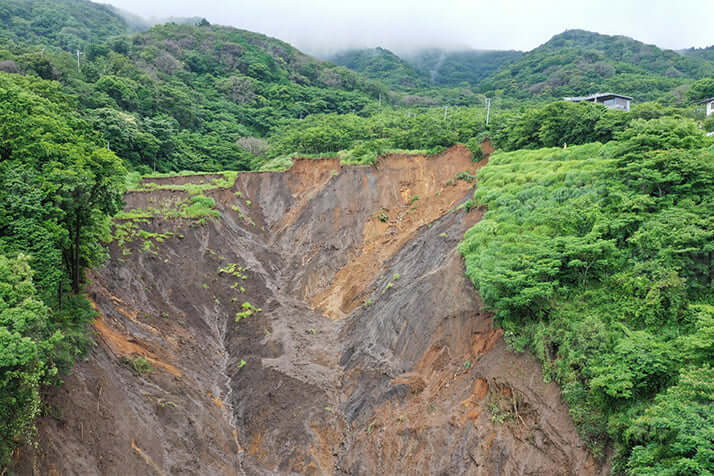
x,y
227,180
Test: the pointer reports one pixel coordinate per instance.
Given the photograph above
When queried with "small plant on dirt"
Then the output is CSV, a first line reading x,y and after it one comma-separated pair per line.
x,y
248,310
369,428
267,332
397,276
466,176
141,365
387,287
333,172
444,235
368,303
311,331
165,315
204,286
248,202
382,217
414,199
467,365
232,269
498,415
239,195
450,183
241,364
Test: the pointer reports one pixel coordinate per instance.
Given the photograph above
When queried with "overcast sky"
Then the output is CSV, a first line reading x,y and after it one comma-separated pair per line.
x,y
324,26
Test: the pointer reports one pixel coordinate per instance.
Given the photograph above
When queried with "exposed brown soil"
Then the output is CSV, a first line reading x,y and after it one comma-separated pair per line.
x,y
370,352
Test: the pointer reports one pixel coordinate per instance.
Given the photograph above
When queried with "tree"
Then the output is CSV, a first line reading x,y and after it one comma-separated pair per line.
x,y
702,89
81,181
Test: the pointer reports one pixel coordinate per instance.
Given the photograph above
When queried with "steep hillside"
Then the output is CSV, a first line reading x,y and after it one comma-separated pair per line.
x,y
456,68
181,97
382,65
316,321
600,259
65,24
578,62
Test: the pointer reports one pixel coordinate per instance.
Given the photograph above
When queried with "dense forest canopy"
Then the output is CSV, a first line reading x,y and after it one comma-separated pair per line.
x,y
600,259
382,65
596,257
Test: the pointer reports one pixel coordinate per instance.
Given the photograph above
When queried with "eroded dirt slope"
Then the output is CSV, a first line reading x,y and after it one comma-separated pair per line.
x,y
360,349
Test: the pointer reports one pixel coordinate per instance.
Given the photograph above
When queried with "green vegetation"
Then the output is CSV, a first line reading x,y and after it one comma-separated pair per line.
x,y
248,310
141,365
69,24
176,97
59,187
27,346
598,258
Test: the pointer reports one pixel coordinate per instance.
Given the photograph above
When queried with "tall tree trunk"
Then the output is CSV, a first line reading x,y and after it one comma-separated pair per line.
x,y
59,294
75,258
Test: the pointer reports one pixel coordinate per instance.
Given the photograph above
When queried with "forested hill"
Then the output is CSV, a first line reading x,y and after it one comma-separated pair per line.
x,y
178,96
382,65
577,62
69,24
430,67
65,24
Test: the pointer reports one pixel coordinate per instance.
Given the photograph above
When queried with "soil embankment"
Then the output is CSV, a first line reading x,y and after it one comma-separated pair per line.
x,y
322,325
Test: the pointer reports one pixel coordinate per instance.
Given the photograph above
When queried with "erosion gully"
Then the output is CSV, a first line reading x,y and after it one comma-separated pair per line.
x,y
366,350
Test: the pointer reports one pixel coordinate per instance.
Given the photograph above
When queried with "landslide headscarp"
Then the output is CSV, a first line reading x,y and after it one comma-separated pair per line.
x,y
322,324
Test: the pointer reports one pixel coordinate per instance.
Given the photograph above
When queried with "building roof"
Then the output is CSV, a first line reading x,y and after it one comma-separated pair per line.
x,y
704,101
597,96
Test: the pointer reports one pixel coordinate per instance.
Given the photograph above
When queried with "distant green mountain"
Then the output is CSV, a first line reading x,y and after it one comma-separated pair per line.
x,y
457,68
579,62
382,65
701,53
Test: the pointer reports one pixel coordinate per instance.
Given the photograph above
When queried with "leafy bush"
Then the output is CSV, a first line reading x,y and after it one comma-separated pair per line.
x,y
27,347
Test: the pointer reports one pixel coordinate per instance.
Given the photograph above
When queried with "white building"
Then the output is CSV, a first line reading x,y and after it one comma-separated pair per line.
x,y
710,105
613,101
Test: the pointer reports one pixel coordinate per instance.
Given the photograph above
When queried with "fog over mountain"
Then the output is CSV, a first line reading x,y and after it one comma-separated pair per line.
x,y
322,27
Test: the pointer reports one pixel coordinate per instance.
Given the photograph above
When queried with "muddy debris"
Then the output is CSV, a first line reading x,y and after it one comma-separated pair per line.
x,y
322,325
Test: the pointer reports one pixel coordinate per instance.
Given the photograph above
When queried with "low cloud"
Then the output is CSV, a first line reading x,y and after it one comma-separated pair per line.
x,y
321,27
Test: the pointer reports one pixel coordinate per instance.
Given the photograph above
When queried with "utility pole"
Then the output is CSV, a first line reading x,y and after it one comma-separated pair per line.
x,y
78,65
446,108
488,109
380,100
